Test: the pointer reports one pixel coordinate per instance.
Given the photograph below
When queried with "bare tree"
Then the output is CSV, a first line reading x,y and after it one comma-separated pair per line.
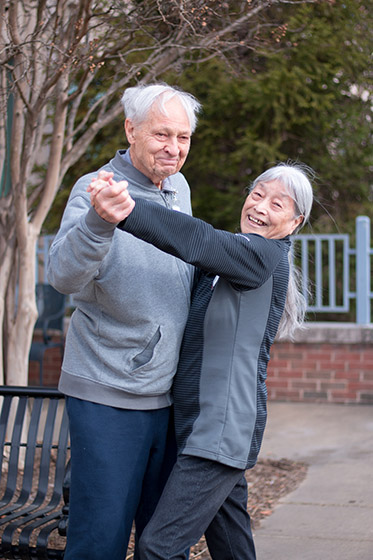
x,y
51,57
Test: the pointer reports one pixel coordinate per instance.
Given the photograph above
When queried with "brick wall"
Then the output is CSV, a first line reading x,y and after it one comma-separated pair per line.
x,y
327,362
51,364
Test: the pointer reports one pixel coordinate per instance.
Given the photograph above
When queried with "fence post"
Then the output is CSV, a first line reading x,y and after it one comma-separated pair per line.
x,y
362,270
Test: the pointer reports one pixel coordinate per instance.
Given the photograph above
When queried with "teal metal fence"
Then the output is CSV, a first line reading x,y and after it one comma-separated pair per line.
x,y
333,273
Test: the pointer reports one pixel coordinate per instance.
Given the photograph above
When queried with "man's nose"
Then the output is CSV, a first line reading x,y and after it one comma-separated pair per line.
x,y
172,145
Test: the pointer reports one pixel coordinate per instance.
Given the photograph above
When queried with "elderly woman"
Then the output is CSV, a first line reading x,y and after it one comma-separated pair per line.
x,y
244,293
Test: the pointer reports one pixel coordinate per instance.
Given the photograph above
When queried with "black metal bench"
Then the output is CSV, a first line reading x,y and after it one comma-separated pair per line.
x,y
34,440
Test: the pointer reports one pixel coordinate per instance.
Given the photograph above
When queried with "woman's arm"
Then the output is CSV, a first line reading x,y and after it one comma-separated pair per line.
x,y
246,261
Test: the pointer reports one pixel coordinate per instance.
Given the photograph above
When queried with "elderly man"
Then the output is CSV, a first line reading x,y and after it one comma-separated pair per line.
x,y
123,342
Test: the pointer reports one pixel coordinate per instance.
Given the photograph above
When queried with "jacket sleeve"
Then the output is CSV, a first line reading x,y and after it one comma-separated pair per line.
x,y
80,245
244,260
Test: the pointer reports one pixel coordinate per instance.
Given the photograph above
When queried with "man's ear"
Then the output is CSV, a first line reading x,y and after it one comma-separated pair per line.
x,y
129,130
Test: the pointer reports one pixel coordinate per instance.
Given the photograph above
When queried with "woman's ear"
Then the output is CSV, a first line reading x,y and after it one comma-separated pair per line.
x,y
297,223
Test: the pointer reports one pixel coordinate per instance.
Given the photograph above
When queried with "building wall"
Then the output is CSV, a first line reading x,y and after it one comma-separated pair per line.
x,y
327,362
51,363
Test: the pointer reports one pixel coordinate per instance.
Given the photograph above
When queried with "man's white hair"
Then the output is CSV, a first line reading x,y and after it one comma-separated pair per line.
x,y
138,100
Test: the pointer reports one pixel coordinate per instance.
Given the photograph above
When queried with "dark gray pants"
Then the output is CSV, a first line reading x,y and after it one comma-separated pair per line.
x,y
200,497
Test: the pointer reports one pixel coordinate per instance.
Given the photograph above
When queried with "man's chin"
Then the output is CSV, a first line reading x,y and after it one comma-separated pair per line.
x,y
166,171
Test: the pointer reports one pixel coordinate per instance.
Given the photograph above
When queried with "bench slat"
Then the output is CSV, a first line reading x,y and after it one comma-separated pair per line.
x,y
30,507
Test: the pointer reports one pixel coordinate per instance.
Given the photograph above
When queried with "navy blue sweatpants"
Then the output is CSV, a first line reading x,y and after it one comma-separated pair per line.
x,y
120,460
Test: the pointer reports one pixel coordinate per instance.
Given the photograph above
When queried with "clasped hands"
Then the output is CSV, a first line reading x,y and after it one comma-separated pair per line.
x,y
110,198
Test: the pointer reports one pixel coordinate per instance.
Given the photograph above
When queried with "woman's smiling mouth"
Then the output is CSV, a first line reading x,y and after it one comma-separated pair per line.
x,y
256,221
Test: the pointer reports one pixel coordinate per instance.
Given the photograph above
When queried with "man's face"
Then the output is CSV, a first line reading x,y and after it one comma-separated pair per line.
x,y
160,144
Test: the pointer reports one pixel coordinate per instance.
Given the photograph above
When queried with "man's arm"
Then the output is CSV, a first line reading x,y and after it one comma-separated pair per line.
x,y
81,244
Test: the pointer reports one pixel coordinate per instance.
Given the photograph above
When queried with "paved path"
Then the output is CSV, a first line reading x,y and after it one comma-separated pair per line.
x,y
330,515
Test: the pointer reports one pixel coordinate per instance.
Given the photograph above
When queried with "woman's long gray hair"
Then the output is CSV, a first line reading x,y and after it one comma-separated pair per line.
x,y
295,177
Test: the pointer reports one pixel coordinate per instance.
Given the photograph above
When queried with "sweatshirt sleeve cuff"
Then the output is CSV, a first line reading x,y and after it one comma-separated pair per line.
x,y
98,225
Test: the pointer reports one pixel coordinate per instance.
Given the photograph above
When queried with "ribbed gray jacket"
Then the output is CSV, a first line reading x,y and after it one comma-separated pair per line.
x,y
132,300
239,296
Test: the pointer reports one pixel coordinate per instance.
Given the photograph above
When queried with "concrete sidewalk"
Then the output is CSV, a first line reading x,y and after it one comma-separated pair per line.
x,y
330,515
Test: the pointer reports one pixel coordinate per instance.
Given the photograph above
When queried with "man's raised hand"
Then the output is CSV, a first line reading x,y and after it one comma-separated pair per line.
x,y
110,198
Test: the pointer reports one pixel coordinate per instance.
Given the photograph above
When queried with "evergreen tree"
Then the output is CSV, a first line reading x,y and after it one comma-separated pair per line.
x,y
304,94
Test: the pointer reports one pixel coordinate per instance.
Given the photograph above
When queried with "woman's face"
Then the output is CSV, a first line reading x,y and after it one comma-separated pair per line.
x,y
269,211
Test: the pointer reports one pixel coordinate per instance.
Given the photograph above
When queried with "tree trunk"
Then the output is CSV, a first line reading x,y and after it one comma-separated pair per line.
x,y
21,326
23,310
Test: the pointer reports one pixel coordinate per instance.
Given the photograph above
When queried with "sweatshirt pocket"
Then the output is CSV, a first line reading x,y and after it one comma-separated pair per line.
x,y
146,355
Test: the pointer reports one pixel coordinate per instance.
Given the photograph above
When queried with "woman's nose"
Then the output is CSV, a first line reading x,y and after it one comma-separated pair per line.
x,y
261,206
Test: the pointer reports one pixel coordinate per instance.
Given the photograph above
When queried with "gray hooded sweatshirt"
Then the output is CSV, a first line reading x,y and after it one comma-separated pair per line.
x,y
132,300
